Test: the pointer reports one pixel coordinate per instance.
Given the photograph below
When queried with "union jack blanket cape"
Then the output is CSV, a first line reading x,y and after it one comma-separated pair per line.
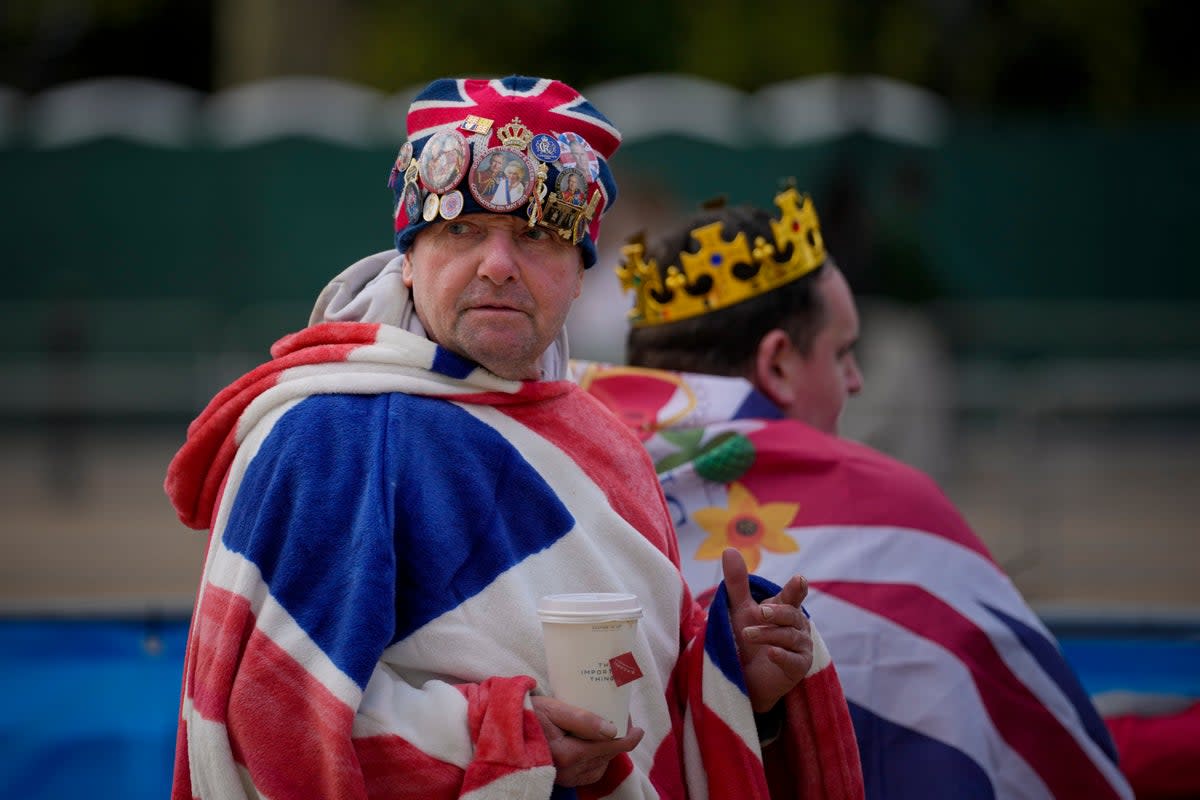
x,y
957,690
384,516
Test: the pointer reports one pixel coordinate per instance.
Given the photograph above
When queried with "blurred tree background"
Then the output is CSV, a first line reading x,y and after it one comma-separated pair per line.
x,y
1100,59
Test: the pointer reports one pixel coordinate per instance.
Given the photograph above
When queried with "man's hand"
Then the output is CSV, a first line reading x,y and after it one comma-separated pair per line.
x,y
773,638
581,743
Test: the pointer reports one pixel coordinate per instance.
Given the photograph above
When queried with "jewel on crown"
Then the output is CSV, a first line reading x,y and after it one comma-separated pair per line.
x,y
723,272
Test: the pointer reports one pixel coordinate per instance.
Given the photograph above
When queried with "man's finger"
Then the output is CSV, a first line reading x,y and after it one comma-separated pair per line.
x,y
737,578
783,615
575,720
785,636
793,592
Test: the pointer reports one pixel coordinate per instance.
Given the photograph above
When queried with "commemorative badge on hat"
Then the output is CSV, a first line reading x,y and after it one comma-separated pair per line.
x,y
443,162
451,205
529,147
403,158
577,153
502,178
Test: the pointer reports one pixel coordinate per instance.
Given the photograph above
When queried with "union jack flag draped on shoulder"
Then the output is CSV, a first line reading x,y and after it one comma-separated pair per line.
x,y
956,688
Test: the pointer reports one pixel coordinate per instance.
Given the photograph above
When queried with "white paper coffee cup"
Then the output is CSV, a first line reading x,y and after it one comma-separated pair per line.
x,y
589,651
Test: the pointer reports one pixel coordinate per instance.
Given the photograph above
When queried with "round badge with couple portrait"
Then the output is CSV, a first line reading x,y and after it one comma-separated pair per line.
x,y
502,179
443,161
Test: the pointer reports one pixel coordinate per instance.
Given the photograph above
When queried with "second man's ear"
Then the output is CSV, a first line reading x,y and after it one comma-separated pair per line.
x,y
775,368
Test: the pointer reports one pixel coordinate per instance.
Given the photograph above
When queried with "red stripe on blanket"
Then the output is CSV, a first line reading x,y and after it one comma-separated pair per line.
x,y
197,470
300,731
840,482
586,431
732,769
817,750
326,333
618,770
507,737
181,777
1014,709
666,774
224,624
394,767
741,774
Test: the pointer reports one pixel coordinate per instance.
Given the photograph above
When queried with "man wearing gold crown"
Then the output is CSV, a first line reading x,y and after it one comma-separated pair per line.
x,y
390,496
742,354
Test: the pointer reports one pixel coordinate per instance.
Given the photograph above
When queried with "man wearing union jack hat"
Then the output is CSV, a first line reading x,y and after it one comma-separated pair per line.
x,y
391,496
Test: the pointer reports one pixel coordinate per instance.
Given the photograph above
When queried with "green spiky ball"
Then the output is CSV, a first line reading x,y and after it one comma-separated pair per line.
x,y
725,459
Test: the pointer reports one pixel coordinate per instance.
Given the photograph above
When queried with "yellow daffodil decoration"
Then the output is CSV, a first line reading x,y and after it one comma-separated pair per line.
x,y
747,526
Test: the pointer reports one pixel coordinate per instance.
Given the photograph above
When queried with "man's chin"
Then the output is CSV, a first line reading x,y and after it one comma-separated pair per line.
x,y
509,368
506,355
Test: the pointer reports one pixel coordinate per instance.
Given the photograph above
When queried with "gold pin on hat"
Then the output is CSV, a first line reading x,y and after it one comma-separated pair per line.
x,y
430,211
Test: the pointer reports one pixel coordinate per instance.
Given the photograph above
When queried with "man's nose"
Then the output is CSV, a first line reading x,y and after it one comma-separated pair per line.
x,y
498,259
854,377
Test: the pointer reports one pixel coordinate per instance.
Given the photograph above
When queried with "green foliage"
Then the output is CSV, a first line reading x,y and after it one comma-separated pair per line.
x,y
1105,58
403,44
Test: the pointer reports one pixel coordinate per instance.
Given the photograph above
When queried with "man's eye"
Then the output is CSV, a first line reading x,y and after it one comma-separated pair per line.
x,y
456,228
537,234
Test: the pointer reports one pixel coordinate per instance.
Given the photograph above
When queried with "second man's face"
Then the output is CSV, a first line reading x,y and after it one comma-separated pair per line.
x,y
829,372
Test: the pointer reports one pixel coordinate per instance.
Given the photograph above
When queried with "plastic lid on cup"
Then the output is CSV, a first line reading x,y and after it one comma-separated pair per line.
x,y
588,607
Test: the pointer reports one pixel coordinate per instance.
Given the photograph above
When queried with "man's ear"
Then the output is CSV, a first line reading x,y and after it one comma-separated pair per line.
x,y
579,277
774,368
406,271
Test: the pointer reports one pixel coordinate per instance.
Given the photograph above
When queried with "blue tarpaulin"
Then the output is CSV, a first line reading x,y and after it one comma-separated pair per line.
x,y
88,707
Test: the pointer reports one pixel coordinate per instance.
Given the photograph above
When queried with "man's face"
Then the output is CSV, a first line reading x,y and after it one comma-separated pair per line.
x,y
828,374
493,289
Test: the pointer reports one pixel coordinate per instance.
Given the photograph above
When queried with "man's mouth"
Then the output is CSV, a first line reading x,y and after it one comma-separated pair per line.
x,y
494,305
494,308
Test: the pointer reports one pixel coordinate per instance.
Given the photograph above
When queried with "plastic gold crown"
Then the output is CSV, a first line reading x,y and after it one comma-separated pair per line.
x,y
723,273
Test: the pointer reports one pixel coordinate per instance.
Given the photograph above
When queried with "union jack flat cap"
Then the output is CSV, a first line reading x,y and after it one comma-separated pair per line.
x,y
482,111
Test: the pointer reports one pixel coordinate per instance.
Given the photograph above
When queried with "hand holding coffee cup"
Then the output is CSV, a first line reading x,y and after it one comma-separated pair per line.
x,y
589,651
